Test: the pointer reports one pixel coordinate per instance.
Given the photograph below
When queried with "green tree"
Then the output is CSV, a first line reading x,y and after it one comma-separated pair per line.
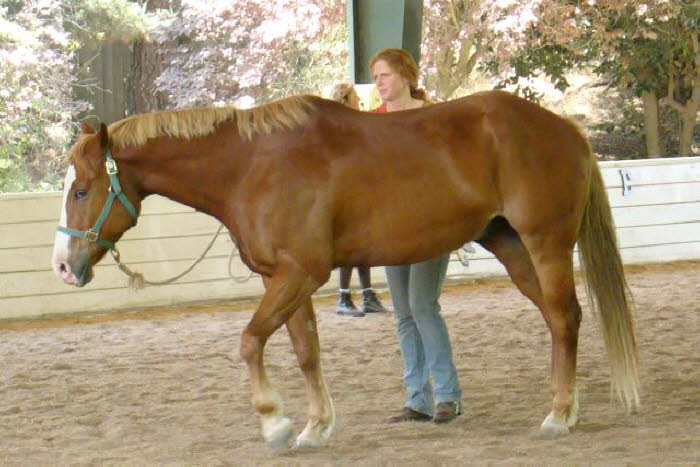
x,y
209,52
649,46
461,35
35,101
218,52
38,79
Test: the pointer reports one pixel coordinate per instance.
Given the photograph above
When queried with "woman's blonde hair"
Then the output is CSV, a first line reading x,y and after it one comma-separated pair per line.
x,y
402,63
342,92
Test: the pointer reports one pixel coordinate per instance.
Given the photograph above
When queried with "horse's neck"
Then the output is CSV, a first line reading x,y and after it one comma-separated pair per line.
x,y
190,176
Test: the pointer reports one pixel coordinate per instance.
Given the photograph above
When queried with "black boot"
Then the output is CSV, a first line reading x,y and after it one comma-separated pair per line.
x,y
346,307
370,302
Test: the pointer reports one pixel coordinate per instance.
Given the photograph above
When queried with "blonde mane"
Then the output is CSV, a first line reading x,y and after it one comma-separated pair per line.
x,y
284,114
77,148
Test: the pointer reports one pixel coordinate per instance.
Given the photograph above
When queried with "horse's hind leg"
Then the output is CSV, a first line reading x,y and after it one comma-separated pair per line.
x,y
304,335
552,259
504,242
285,292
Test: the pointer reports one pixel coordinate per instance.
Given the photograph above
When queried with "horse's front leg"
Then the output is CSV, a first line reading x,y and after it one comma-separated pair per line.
x,y
304,335
285,291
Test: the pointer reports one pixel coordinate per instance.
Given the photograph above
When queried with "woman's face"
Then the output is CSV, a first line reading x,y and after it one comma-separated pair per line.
x,y
390,84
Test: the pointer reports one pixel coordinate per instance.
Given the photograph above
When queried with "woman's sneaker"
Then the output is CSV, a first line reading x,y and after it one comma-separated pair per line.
x,y
370,302
346,307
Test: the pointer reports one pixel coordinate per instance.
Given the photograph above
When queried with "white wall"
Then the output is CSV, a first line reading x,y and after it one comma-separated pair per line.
x,y
658,221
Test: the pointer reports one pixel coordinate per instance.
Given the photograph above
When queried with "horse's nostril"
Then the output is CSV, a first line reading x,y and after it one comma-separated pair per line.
x,y
63,269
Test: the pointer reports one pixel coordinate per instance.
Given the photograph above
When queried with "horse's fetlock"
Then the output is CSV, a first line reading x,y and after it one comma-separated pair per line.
x,y
267,407
562,404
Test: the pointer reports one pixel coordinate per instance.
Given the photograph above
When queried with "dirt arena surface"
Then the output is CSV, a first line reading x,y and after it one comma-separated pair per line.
x,y
167,386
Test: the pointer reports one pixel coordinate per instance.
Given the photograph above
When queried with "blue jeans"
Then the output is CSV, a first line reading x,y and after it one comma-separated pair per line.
x,y
423,338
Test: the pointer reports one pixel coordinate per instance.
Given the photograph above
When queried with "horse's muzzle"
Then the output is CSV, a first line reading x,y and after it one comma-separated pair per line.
x,y
78,274
85,275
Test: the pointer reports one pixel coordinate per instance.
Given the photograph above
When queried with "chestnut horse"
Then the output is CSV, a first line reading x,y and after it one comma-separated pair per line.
x,y
285,179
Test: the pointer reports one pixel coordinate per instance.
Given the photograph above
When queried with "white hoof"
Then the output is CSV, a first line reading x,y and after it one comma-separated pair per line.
x,y
307,442
551,429
277,432
313,437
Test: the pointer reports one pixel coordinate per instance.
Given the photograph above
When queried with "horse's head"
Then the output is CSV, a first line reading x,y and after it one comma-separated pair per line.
x,y
99,204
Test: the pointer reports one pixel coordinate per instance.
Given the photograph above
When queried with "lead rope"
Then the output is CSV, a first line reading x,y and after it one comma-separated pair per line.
x,y
238,279
137,280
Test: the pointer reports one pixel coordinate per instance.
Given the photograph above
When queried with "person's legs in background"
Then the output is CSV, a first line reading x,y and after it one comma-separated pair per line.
x,y
345,305
370,301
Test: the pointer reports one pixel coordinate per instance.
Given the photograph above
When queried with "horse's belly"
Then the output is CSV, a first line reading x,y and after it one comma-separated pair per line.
x,y
393,239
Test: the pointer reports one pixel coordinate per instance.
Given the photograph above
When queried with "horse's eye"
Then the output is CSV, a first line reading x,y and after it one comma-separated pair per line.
x,y
80,194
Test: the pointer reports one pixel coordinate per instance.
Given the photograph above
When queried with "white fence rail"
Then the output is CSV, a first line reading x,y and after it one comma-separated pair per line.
x,y
657,220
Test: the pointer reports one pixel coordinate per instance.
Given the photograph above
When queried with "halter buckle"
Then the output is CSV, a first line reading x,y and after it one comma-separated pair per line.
x,y
91,235
111,167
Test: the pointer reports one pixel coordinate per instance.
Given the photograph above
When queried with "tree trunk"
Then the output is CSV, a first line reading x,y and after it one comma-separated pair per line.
x,y
687,109
687,118
687,114
651,124
148,60
146,66
453,73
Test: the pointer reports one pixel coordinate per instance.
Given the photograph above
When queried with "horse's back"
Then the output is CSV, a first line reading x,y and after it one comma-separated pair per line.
x,y
518,122
447,169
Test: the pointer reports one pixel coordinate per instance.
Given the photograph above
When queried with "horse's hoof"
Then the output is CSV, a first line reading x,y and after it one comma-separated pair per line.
x,y
553,431
313,437
550,429
277,433
572,418
303,442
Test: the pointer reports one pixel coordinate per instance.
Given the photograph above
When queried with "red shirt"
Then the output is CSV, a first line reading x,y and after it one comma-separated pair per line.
x,y
379,110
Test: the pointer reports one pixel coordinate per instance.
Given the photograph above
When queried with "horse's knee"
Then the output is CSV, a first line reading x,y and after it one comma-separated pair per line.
x,y
308,362
563,310
251,349
572,314
308,358
564,327
574,310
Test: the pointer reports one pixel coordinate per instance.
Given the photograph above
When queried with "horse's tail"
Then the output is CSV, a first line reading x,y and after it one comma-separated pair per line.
x,y
608,292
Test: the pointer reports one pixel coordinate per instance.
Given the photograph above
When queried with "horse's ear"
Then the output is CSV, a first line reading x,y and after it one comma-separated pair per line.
x,y
104,136
86,128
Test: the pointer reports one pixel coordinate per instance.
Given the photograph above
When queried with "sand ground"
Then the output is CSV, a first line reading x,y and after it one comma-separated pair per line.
x,y
166,386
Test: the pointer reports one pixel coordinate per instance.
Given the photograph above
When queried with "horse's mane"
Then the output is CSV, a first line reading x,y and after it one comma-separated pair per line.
x,y
287,113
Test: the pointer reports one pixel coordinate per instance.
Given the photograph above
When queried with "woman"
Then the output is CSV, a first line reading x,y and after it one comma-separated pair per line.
x,y
415,289
345,94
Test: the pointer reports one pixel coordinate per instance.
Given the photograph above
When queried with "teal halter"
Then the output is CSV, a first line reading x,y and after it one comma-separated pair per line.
x,y
115,191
